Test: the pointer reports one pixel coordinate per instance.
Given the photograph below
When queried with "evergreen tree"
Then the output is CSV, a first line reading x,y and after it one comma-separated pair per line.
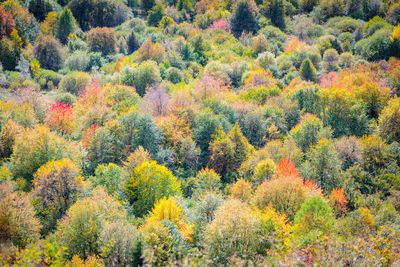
x,y
307,70
185,5
278,14
66,25
132,43
243,19
147,4
155,15
39,8
275,10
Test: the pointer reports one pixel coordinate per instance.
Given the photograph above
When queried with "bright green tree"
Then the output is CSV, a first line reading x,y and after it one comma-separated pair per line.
x,y
313,220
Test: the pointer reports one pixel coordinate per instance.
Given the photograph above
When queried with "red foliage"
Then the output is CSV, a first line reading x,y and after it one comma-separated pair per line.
x,y
220,24
312,186
287,168
328,80
60,117
339,199
88,135
7,23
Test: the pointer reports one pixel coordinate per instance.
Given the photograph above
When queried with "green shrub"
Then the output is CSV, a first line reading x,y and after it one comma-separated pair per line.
x,y
78,60
75,81
47,76
174,75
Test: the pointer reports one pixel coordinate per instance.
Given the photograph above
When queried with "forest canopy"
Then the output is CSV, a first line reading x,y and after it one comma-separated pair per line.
x,y
199,132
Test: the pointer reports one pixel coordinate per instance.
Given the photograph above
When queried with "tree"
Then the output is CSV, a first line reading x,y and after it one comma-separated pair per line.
x,y
120,243
81,9
331,59
79,231
389,121
307,70
156,14
185,5
34,148
147,74
308,5
110,176
18,224
100,149
55,188
39,8
98,13
49,52
263,171
309,130
135,159
23,67
242,190
50,24
323,165
151,51
227,154
75,82
149,183
132,43
206,180
275,10
102,40
285,192
66,25
7,23
59,117
203,213
156,101
243,18
141,131
9,54
376,47
331,8
8,133
313,219
204,126
235,221
393,14
147,4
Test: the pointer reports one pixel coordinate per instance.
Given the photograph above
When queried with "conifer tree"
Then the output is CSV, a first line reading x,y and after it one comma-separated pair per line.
x,y
243,19
66,25
156,14
132,43
307,70
275,10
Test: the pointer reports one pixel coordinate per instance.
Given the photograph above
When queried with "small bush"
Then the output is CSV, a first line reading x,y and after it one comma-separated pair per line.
x,y
74,82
